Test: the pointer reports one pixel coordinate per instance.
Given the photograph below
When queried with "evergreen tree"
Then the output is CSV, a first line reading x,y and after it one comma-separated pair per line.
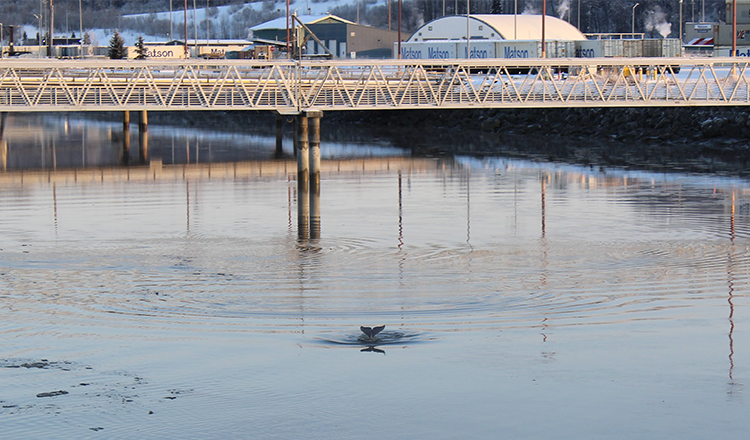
x,y
497,7
86,38
140,49
117,49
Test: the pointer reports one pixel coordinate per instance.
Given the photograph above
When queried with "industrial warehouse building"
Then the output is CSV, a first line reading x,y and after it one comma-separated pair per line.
x,y
520,36
342,38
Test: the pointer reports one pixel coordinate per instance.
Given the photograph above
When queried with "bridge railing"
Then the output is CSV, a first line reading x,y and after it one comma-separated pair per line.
x,y
293,86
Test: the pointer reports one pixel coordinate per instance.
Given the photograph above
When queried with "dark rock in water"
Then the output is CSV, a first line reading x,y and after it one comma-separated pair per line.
x,y
52,393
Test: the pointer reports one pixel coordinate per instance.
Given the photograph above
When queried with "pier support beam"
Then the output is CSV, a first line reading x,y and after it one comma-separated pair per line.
x,y
303,152
314,126
143,121
303,183
126,121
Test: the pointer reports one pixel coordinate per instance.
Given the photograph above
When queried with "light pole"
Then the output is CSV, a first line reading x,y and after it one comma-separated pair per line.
x,y
633,30
80,23
399,29
468,29
579,14
680,22
288,54
544,44
208,34
187,51
515,20
1,41
734,28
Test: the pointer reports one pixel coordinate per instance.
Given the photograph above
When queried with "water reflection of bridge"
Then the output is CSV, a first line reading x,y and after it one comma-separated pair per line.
x,y
156,171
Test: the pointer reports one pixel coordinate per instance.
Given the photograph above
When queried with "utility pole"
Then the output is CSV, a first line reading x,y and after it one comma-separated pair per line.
x,y
51,28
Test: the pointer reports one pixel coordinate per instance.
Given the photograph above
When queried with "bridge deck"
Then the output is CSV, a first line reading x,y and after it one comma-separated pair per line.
x,y
291,87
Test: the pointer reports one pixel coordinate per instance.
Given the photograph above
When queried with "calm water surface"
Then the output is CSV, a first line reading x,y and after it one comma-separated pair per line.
x,y
521,300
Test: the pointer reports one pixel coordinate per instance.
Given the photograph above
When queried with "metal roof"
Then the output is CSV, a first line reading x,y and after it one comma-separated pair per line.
x,y
529,27
280,23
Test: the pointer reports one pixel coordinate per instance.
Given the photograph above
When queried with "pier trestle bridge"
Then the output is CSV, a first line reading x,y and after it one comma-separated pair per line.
x,y
293,87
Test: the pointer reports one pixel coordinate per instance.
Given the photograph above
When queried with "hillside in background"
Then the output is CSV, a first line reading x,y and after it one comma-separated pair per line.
x,y
232,18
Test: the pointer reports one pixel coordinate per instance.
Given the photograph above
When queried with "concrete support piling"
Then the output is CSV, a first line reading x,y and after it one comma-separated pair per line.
x,y
314,126
126,121
303,183
143,121
303,152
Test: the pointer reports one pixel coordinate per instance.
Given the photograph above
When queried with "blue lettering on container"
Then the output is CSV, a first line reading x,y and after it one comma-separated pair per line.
x,y
515,53
408,53
476,53
585,53
433,52
737,53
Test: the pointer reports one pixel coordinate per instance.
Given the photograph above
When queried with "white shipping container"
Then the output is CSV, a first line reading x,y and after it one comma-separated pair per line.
x,y
632,48
479,49
727,51
589,49
612,48
671,47
565,49
428,50
518,49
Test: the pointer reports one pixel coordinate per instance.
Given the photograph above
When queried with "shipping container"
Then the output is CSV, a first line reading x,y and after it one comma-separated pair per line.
x,y
632,48
612,48
427,50
479,49
671,47
565,49
651,48
512,49
589,49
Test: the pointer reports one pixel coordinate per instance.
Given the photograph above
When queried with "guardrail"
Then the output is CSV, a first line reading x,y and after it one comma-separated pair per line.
x,y
295,86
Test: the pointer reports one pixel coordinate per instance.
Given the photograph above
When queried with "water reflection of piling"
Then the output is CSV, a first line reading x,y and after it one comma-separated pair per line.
x,y
279,134
3,143
303,210
307,135
143,146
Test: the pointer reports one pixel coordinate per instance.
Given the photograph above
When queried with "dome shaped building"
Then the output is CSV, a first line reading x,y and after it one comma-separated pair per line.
x,y
497,27
492,36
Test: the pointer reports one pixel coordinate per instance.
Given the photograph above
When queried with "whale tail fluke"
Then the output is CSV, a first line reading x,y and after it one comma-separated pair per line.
x,y
370,332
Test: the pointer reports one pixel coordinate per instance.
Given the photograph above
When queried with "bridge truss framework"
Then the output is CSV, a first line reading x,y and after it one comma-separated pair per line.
x,y
294,86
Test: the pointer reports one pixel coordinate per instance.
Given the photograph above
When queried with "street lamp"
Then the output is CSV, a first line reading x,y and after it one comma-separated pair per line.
x,y
468,29
80,23
1,41
734,28
680,22
544,44
633,30
399,29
